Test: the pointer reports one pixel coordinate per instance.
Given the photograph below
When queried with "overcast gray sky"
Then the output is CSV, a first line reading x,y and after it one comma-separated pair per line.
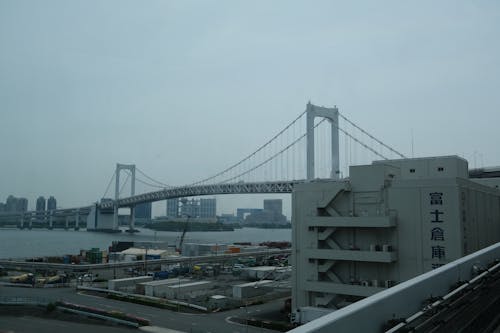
x,y
185,88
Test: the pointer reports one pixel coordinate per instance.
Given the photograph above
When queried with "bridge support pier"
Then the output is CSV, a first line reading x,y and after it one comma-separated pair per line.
x,y
77,219
100,219
115,218
131,225
119,167
51,219
21,226
66,225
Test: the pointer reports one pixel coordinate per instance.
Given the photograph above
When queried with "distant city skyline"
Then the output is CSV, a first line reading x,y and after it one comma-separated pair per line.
x,y
21,204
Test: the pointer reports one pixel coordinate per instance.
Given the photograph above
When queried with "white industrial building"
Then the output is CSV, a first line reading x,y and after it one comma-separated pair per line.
x,y
251,289
388,222
158,288
267,272
188,289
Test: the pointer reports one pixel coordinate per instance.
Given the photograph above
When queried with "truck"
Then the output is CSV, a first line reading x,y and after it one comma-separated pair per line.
x,y
306,314
23,278
248,261
60,278
161,275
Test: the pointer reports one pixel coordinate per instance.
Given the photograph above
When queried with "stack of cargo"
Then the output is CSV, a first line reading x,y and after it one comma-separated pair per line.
x,y
194,249
253,248
94,256
134,253
233,249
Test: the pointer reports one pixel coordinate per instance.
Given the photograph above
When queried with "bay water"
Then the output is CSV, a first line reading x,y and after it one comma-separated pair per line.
x,y
16,243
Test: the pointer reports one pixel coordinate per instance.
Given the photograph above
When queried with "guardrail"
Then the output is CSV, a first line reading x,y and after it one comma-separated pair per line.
x,y
405,300
127,320
4,300
156,299
99,316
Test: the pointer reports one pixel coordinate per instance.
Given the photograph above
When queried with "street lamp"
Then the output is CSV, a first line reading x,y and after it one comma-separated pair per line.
x,y
146,261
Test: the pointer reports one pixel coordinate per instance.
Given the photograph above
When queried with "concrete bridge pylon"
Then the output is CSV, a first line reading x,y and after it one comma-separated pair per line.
x,y
131,168
332,114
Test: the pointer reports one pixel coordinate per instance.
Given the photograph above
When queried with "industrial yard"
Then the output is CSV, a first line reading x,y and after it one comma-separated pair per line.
x,y
236,276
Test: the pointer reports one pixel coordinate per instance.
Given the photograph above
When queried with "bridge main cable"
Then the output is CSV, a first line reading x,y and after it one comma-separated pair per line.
x,y
163,185
273,156
252,154
371,136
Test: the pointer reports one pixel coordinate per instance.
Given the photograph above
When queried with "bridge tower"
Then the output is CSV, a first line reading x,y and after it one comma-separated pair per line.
x,y
332,114
131,168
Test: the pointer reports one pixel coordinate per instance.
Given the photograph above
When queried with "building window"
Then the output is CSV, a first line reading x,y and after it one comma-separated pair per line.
x,y
412,170
440,169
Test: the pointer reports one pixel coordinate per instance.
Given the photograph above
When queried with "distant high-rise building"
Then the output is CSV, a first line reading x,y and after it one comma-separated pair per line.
x,y
2,207
241,213
22,205
40,203
143,211
208,207
271,214
173,208
11,204
51,203
14,204
190,207
274,205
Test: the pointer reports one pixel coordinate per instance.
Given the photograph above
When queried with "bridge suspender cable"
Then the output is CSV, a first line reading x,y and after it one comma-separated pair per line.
x,y
272,156
125,182
251,155
363,144
141,181
109,184
152,179
372,137
149,184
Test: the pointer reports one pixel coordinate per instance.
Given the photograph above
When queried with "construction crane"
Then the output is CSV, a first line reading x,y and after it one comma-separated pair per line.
x,y
186,225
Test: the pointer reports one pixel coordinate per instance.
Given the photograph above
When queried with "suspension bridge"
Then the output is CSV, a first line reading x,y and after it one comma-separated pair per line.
x,y
308,148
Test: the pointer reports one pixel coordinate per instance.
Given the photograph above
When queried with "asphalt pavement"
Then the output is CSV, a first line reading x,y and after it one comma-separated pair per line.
x,y
162,320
